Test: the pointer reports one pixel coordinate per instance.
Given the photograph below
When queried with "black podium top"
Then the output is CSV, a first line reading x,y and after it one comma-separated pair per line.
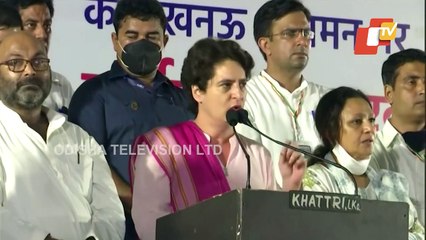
x,y
265,215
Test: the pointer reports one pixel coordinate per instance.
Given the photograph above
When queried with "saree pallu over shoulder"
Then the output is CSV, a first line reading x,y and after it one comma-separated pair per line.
x,y
185,155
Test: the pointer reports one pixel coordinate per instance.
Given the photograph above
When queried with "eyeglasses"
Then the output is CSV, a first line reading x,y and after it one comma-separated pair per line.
x,y
18,65
292,33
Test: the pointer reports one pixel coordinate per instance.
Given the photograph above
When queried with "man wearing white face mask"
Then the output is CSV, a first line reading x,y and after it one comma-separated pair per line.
x,y
133,97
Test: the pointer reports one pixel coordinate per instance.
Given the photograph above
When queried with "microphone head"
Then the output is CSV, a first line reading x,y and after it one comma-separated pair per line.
x,y
243,117
232,117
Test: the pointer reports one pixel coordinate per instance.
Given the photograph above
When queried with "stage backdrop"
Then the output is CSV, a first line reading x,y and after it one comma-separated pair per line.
x,y
81,41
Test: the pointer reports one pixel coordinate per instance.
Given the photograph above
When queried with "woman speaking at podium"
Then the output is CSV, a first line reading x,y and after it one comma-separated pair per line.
x,y
345,122
178,166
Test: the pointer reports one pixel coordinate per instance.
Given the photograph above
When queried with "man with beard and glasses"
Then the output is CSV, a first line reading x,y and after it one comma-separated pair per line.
x,y
133,97
36,18
54,180
280,101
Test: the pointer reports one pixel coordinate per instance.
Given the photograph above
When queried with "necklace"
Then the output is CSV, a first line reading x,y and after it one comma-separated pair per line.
x,y
293,112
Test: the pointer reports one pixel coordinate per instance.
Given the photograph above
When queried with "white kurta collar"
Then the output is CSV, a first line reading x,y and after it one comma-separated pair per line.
x,y
276,84
389,134
13,120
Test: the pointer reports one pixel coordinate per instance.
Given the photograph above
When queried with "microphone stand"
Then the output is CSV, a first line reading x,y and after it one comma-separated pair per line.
x,y
248,123
233,118
248,186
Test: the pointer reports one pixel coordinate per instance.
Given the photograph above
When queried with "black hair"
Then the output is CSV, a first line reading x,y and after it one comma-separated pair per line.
x,y
9,16
23,4
271,11
142,9
198,66
396,60
327,117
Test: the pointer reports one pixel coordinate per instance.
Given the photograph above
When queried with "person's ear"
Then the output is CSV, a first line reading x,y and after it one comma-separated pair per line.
x,y
264,44
114,40
389,93
165,40
197,94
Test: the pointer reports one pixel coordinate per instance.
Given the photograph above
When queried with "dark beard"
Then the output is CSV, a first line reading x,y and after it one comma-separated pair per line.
x,y
29,93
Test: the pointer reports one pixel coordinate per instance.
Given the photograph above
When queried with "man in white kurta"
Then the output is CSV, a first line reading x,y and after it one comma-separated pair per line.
x,y
54,180
403,75
36,18
269,114
391,152
49,187
280,102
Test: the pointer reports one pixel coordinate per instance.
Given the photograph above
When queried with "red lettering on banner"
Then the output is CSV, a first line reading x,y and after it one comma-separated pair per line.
x,y
87,76
163,69
376,101
164,63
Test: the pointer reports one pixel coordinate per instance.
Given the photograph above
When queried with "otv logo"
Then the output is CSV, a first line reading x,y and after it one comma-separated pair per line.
x,y
380,32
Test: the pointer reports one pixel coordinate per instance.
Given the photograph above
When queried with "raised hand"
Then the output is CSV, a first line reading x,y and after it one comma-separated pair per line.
x,y
292,167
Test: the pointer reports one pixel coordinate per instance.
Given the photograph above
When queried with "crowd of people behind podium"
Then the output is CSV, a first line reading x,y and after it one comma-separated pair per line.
x,y
97,192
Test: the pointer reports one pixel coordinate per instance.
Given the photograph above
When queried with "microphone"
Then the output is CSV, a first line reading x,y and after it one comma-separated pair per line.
x,y
232,117
241,116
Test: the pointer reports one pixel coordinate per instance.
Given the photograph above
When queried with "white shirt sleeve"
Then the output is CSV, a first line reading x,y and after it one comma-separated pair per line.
x,y
107,210
60,92
65,90
151,195
12,228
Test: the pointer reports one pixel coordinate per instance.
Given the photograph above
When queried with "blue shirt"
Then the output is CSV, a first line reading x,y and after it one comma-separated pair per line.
x,y
115,108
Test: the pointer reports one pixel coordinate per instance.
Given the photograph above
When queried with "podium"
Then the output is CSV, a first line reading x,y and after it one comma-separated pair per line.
x,y
269,215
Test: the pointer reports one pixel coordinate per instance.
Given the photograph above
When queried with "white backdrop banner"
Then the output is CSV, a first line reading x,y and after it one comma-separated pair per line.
x,y
81,44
